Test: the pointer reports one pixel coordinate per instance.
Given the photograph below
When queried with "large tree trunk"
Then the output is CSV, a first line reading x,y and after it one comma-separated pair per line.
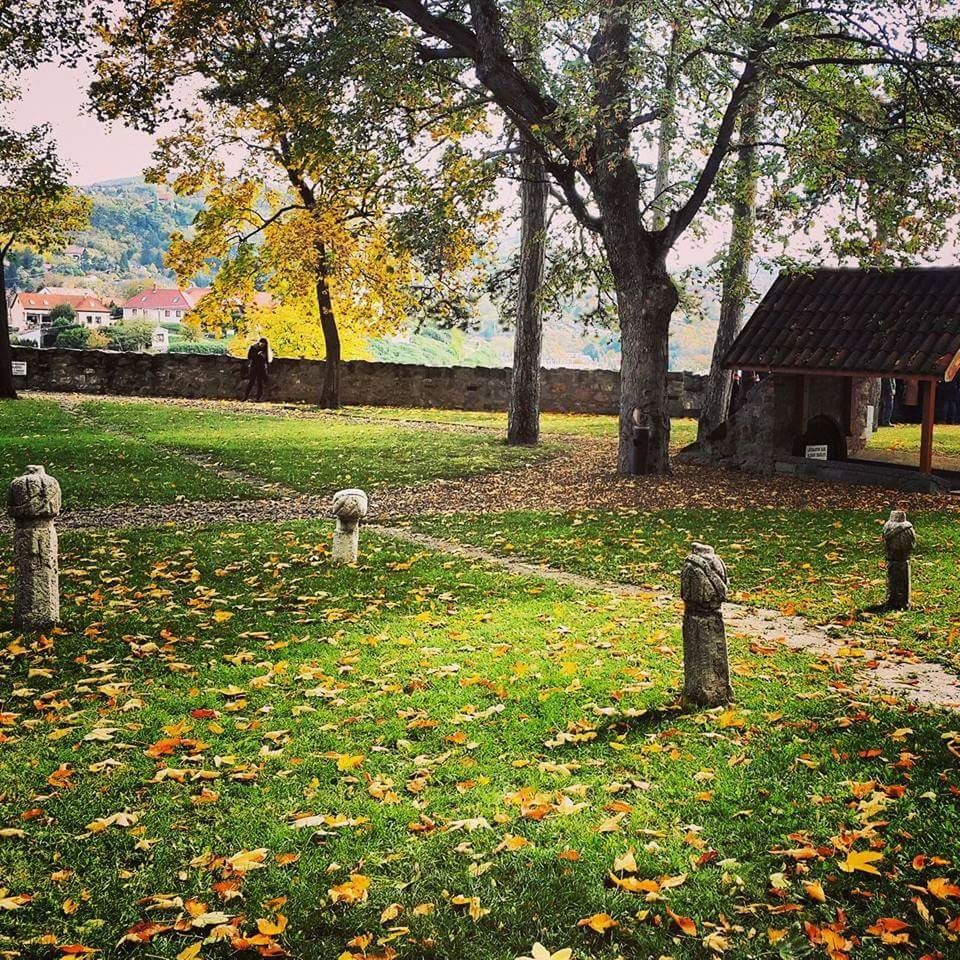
x,y
7,390
736,274
646,299
523,422
646,296
330,392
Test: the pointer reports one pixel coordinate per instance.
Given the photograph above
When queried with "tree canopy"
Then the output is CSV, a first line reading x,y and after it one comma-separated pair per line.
x,y
325,172
38,210
592,99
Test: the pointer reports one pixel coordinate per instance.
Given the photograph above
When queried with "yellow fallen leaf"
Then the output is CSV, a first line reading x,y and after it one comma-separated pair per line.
x,y
861,860
222,616
474,909
353,890
391,912
191,952
349,761
247,860
272,928
814,891
540,952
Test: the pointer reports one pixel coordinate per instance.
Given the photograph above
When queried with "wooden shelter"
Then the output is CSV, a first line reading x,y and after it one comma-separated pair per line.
x,y
821,341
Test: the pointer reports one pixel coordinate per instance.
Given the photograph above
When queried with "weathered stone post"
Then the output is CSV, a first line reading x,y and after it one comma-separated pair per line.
x,y
33,500
349,507
899,539
703,588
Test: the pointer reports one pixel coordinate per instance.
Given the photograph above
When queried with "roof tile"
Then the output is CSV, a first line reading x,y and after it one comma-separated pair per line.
x,y
900,322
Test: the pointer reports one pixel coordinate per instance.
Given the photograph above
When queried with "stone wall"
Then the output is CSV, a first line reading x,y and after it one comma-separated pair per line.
x,y
363,383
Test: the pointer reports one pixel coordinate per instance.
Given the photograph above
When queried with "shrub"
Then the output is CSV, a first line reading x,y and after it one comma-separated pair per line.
x,y
63,316
73,338
130,335
197,346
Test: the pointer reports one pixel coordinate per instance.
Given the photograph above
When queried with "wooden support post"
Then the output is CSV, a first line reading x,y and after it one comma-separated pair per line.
x,y
926,434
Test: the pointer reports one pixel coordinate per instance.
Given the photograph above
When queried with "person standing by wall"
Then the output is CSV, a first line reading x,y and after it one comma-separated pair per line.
x,y
258,362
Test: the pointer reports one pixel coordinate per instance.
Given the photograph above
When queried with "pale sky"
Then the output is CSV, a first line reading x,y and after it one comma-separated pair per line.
x,y
94,151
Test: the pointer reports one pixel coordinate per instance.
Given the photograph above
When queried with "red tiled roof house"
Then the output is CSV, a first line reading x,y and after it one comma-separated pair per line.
x,y
31,311
163,304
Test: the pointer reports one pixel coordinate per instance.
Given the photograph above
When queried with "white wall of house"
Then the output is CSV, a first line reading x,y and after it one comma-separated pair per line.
x,y
17,317
153,315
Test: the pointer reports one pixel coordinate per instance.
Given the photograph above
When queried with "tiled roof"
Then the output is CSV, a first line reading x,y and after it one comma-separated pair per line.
x,y
898,322
47,301
160,298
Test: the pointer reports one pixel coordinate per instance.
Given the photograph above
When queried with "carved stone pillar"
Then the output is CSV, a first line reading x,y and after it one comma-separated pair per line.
x,y
703,588
33,500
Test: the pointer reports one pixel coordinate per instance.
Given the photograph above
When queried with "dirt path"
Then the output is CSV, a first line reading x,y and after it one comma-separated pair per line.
x,y
582,476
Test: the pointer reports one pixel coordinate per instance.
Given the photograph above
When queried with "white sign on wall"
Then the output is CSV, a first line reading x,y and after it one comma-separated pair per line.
x,y
817,451
19,368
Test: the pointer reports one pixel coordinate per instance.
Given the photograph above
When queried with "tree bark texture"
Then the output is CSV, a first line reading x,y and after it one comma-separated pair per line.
x,y
523,425
646,296
646,299
7,389
330,392
736,275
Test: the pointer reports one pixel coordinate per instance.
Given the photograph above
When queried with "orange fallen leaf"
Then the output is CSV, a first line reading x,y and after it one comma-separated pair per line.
x,y
942,888
598,922
684,923
890,930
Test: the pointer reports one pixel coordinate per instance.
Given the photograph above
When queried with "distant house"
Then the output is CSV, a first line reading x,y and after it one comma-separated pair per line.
x,y
163,304
31,311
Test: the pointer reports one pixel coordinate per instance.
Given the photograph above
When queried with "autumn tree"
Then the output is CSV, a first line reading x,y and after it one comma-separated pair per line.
x,y
38,210
592,104
326,174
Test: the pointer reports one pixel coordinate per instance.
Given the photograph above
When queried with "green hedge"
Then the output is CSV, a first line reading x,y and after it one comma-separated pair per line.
x,y
197,346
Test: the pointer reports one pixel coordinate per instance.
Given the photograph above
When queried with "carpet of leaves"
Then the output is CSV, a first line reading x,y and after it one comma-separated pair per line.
x,y
233,746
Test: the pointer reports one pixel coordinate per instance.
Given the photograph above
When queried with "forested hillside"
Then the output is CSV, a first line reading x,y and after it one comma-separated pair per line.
x,y
131,222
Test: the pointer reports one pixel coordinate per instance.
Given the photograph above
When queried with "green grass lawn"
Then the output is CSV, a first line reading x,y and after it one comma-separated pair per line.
x,y
901,444
230,739
98,468
683,431
315,455
826,565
